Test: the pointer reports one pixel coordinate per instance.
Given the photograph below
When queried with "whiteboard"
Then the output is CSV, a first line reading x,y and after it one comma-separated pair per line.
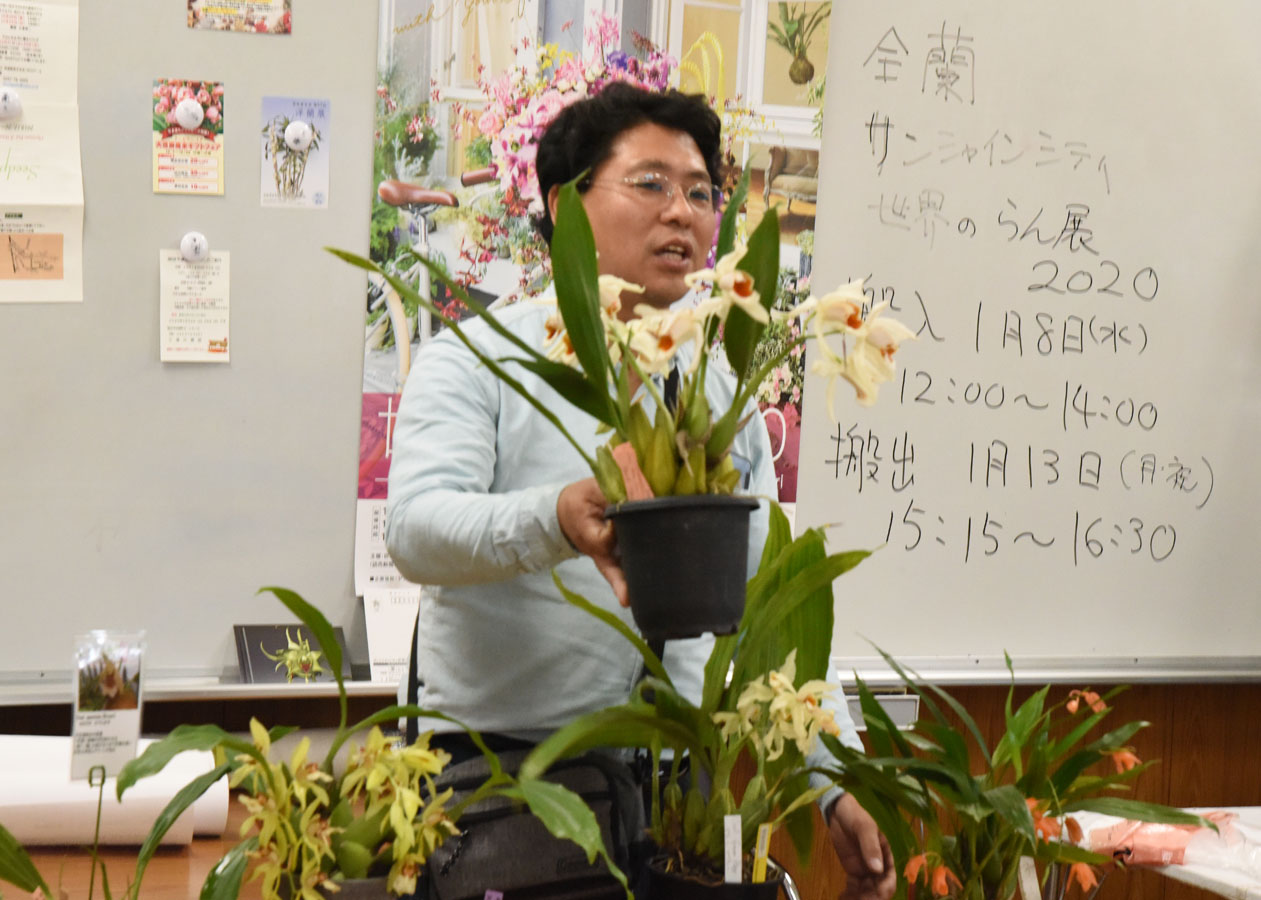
x,y
1064,201
135,494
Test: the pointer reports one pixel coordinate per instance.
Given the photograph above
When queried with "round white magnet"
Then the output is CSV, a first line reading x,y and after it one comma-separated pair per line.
x,y
10,104
194,247
298,136
188,113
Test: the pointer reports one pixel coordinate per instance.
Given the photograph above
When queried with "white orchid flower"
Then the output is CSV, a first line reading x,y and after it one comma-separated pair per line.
x,y
866,348
611,288
735,287
657,334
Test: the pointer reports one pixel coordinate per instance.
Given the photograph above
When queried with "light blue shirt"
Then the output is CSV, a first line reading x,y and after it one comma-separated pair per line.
x,y
474,481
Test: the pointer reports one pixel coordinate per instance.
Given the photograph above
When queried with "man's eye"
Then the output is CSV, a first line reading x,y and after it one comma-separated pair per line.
x,y
700,195
650,185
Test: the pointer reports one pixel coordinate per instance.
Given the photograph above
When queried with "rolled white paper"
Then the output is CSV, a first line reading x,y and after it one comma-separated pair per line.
x,y
39,803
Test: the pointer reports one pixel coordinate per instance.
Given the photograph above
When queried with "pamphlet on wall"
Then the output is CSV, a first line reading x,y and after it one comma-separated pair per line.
x,y
188,119
107,694
41,181
294,155
389,615
251,16
194,308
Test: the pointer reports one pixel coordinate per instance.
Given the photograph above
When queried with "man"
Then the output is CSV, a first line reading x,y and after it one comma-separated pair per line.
x,y
486,497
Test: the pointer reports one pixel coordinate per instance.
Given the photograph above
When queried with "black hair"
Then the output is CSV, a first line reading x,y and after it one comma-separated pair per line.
x,y
581,136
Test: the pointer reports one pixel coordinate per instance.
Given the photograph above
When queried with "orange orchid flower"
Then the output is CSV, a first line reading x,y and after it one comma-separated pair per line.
x,y
913,866
1045,825
1091,699
1074,830
1084,875
942,876
1124,759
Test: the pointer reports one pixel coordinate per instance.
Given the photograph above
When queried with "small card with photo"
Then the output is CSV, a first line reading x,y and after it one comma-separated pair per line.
x,y
107,696
188,117
273,653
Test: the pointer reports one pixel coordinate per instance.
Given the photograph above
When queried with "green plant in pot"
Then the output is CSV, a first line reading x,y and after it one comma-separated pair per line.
x,y
959,820
314,827
771,709
668,457
794,31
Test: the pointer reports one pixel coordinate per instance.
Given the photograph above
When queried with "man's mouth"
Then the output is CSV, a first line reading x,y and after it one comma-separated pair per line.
x,y
677,251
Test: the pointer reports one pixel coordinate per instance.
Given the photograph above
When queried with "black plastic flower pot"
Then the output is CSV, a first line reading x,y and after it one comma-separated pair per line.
x,y
685,560
665,885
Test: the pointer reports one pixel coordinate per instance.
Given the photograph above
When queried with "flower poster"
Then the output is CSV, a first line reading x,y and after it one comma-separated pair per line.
x,y
256,16
294,153
194,308
41,183
187,136
106,701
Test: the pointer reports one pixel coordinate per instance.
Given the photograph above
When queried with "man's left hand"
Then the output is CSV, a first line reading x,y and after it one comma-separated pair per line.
x,y
864,853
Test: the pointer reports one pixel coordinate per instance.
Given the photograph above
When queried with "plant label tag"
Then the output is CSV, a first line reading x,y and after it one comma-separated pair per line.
x,y
731,849
1029,887
761,849
107,694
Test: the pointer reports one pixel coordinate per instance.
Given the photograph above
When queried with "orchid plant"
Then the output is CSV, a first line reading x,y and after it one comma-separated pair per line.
x,y
762,696
591,351
962,833
311,826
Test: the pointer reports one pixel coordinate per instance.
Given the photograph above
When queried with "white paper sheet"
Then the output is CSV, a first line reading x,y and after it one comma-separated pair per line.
x,y
40,805
389,615
194,308
39,49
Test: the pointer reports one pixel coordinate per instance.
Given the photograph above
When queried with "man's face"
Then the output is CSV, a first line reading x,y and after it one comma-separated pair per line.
x,y
639,235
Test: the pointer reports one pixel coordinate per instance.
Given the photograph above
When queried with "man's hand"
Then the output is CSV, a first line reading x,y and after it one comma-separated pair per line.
x,y
580,510
864,853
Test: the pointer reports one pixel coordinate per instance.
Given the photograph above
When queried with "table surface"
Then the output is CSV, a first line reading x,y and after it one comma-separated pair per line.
x,y
176,873
1234,884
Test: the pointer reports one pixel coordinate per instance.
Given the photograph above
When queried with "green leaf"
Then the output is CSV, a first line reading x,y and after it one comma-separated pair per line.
x,y
730,214
651,662
766,627
16,866
319,626
571,384
1009,803
410,294
761,260
224,880
923,691
182,800
576,272
1139,811
616,726
567,816
183,737
885,737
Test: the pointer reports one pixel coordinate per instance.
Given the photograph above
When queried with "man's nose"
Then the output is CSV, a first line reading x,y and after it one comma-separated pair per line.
x,y
677,206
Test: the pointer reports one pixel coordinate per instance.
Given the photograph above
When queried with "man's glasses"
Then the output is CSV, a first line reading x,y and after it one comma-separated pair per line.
x,y
658,190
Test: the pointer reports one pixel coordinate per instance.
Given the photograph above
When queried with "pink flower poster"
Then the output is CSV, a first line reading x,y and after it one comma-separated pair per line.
x,y
187,136
251,16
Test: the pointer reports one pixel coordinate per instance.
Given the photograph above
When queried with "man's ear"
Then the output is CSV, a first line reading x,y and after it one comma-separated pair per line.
x,y
553,200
